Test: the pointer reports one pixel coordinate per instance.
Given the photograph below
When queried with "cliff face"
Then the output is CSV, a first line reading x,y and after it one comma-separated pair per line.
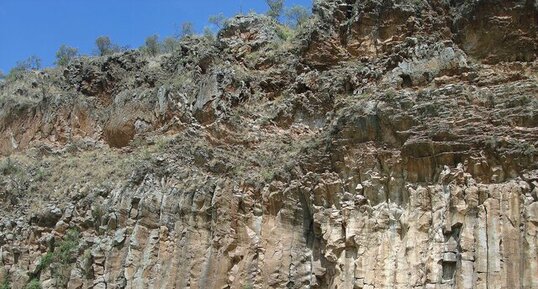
x,y
387,144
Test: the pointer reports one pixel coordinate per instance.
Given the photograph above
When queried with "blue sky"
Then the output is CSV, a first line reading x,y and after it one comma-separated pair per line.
x,y
39,27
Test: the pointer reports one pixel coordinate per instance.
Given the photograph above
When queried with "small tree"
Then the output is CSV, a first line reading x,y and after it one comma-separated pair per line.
x,y
169,44
296,16
208,34
2,75
31,63
151,45
217,20
104,45
65,55
275,8
187,29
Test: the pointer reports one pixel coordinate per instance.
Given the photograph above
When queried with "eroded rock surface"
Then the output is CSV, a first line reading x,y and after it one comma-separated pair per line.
x,y
388,144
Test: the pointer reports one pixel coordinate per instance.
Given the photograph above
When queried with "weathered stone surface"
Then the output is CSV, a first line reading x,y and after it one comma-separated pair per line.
x,y
391,144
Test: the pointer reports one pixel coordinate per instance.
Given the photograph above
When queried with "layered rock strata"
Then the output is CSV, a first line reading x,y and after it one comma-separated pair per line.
x,y
386,144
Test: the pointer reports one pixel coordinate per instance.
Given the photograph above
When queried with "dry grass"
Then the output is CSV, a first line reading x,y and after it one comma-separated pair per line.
x,y
28,180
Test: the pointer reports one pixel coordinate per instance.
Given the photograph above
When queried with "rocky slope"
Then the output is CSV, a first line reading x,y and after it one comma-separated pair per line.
x,y
385,144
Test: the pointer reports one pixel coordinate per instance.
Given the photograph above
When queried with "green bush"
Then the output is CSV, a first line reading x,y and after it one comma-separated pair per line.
x,y
284,32
31,63
33,284
63,252
68,247
151,45
62,256
45,261
105,46
65,55
5,284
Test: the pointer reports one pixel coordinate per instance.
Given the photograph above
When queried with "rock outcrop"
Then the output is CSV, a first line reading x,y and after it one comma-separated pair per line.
x,y
387,144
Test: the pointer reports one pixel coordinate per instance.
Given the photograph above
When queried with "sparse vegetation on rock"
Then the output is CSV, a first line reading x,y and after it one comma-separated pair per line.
x,y
65,55
152,46
31,63
61,257
186,30
375,145
104,46
33,284
4,283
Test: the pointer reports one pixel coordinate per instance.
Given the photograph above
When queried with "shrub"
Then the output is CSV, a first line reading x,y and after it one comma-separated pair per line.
x,y
62,257
151,45
105,46
31,63
65,55
169,44
63,252
45,261
296,16
16,72
284,32
187,29
97,214
68,246
275,8
5,284
33,284
217,20
208,34
8,167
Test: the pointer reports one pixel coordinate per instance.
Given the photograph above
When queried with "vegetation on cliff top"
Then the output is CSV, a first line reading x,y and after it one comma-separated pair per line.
x,y
292,18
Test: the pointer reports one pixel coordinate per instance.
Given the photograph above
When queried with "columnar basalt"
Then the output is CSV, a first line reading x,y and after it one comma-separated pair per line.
x,y
387,144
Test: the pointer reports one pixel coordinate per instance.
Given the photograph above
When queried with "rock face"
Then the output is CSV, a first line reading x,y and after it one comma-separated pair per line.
x,y
388,144
491,31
